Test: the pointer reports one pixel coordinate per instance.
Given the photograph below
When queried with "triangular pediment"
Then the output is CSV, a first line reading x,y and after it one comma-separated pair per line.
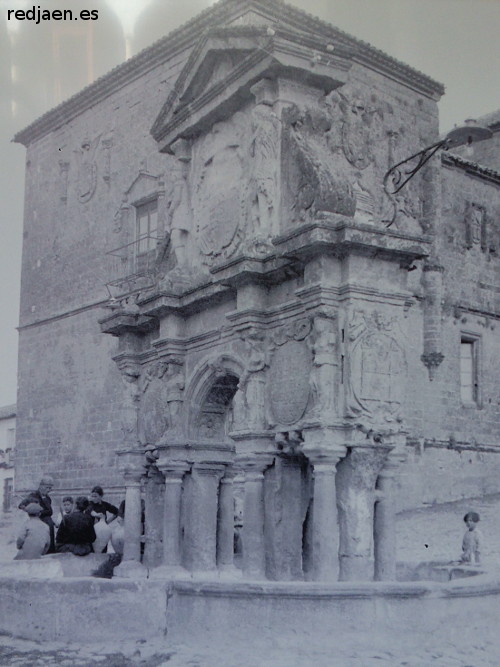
x,y
143,186
227,61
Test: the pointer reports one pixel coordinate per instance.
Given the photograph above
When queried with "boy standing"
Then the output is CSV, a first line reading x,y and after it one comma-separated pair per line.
x,y
471,544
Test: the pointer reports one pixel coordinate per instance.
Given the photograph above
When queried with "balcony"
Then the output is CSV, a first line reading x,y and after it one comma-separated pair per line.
x,y
133,267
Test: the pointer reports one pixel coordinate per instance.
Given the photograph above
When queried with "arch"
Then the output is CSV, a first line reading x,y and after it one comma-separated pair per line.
x,y
210,394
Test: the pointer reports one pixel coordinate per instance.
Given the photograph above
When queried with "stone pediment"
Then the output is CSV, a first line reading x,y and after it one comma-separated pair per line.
x,y
228,61
142,187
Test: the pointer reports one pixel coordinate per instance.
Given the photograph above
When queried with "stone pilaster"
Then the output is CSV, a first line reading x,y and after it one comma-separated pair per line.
x,y
131,465
384,524
172,548
225,524
432,356
254,559
356,479
153,548
325,531
324,453
201,528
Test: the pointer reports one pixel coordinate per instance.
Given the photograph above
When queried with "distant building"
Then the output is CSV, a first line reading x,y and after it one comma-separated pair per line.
x,y
224,310
7,446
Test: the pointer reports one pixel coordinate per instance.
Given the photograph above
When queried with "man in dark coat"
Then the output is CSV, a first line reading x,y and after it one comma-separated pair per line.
x,y
76,532
41,496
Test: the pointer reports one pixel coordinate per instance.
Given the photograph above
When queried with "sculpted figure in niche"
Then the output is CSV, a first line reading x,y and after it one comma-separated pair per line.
x,y
264,153
475,228
323,344
250,400
130,410
174,388
179,214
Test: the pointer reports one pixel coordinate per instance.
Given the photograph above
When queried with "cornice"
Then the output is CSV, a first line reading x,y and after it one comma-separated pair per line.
x,y
486,173
186,35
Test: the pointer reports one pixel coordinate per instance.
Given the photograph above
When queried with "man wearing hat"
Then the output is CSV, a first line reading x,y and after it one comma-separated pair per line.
x,y
34,538
42,498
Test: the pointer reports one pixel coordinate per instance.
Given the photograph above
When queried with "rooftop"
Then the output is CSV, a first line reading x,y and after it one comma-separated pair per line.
x,y
225,12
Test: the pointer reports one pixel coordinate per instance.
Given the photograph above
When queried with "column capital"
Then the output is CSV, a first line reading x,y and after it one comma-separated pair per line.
x,y
321,459
228,476
254,463
131,464
393,462
133,477
173,470
206,468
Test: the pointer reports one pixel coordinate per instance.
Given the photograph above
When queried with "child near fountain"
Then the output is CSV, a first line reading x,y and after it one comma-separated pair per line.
x,y
471,543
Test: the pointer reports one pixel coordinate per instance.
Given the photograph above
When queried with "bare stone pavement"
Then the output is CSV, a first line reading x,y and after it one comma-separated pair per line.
x,y
430,533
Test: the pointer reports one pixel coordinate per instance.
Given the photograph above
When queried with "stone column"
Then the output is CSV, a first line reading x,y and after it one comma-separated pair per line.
x,y
325,530
172,548
201,531
131,566
153,548
225,524
384,524
254,561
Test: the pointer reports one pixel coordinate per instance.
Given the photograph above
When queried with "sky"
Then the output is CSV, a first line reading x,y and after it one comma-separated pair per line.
x,y
456,42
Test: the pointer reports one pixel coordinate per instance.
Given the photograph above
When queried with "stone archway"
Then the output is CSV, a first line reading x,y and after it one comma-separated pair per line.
x,y
214,415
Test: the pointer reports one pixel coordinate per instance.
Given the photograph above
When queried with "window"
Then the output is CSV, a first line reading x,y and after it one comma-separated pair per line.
x,y
8,491
469,357
146,235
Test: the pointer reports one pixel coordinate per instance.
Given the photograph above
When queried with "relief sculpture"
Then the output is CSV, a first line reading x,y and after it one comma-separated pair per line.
x,y
289,384
314,181
376,374
161,401
475,226
249,402
323,345
87,169
179,215
218,195
264,153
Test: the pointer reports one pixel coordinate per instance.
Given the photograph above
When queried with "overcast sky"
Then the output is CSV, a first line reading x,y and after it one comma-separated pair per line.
x,y
454,41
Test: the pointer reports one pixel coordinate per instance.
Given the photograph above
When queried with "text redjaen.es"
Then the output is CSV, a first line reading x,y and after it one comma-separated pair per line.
x,y
37,14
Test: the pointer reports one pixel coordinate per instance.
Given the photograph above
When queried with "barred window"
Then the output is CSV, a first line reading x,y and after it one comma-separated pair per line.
x,y
469,375
146,234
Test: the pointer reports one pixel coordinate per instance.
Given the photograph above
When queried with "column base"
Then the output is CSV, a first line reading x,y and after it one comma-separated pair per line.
x,y
169,572
131,569
356,568
253,576
229,573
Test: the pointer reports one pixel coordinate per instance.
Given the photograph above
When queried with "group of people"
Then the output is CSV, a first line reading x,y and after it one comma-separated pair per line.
x,y
82,526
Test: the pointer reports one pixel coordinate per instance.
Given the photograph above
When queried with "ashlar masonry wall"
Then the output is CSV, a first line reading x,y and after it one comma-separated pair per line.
x,y
70,391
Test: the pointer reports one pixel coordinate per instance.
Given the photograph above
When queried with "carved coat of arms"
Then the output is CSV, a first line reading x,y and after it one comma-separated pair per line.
x,y
87,169
219,191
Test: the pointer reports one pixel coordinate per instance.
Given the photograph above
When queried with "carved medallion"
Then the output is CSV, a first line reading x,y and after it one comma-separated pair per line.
x,y
289,381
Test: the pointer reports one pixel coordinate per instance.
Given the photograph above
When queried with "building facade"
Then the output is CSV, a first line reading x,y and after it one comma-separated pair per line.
x,y
226,312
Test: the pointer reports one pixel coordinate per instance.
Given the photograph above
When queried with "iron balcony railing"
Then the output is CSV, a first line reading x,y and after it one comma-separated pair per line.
x,y
133,266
